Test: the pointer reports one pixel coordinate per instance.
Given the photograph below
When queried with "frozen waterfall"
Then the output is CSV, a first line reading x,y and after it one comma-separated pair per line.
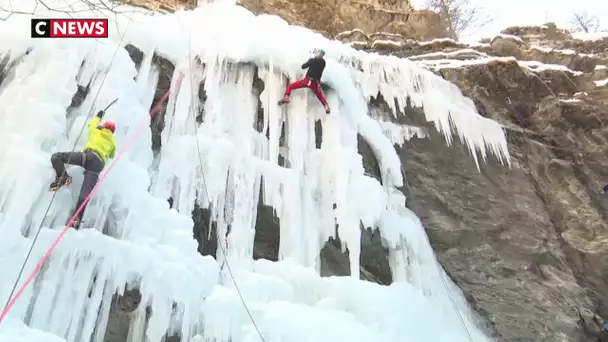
x,y
132,240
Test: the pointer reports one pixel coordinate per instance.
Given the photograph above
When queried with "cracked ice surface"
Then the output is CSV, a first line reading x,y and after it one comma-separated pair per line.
x,y
150,247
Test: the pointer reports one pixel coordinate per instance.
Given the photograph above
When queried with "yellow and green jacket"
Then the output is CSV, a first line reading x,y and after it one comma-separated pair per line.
x,y
100,140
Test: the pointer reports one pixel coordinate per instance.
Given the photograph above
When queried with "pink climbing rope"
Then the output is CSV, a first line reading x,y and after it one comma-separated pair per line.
x,y
38,267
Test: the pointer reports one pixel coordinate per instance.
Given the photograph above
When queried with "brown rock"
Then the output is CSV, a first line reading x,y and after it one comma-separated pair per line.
x,y
161,5
355,35
540,226
333,18
546,32
393,37
420,25
507,47
369,16
120,316
495,238
551,36
526,244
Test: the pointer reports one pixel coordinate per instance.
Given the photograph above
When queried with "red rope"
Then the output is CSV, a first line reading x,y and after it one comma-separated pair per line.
x,y
32,276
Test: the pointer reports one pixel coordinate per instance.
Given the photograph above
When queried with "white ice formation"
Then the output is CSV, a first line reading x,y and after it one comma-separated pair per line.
x,y
150,247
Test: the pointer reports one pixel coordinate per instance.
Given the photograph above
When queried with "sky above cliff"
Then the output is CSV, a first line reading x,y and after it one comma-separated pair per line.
x,y
531,12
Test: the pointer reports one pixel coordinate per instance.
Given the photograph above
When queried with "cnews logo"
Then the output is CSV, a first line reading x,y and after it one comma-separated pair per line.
x,y
69,28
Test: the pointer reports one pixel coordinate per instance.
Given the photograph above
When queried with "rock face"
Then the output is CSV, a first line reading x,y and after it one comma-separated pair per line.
x,y
331,18
119,319
528,243
161,5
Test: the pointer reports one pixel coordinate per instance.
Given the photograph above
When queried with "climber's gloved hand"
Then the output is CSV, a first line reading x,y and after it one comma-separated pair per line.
x,y
100,114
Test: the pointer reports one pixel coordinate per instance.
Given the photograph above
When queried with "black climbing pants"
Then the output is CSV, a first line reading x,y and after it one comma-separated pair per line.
x,y
89,160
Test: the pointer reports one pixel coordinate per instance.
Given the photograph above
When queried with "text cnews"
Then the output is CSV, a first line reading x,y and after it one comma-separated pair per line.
x,y
69,28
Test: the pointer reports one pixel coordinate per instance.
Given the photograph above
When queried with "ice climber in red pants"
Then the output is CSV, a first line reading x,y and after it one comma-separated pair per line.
x,y
312,80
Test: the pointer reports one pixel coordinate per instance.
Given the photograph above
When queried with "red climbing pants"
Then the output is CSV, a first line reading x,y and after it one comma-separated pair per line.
x,y
307,83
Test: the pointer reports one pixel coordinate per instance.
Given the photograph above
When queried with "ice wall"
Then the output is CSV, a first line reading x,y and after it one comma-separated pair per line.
x,y
150,247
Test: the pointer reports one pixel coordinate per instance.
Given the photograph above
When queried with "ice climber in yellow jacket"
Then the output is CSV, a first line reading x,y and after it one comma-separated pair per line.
x,y
100,147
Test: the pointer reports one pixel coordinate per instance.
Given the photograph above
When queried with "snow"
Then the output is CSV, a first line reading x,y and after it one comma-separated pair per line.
x,y
131,239
546,49
540,67
438,64
457,53
358,44
394,43
386,34
386,43
601,67
541,48
601,83
473,42
479,44
438,40
15,331
344,34
591,36
506,36
398,41
560,51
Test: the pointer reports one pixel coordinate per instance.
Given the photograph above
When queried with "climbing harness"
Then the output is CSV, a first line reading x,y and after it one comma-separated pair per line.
x,y
441,275
206,193
12,298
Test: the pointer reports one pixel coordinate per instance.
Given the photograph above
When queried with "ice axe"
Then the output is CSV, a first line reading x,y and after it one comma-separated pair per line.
x,y
111,103
105,109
